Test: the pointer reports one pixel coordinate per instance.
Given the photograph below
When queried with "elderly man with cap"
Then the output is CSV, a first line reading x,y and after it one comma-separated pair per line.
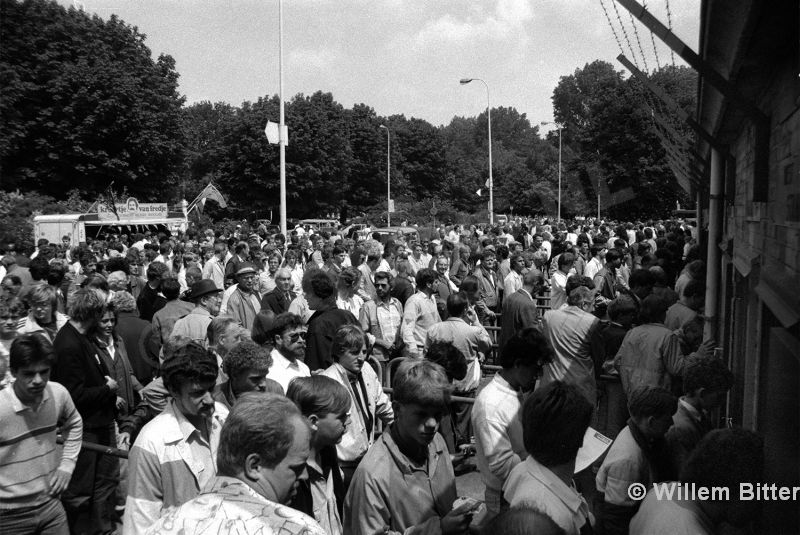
x,y
244,303
206,298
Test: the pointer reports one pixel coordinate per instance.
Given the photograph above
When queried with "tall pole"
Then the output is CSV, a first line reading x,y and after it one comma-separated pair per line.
x,y
281,126
388,177
598,195
559,164
489,117
559,174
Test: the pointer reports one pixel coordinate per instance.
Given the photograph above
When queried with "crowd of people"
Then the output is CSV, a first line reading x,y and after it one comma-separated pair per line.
x,y
317,383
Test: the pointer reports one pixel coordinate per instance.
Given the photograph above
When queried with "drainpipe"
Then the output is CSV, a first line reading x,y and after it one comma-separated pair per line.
x,y
715,199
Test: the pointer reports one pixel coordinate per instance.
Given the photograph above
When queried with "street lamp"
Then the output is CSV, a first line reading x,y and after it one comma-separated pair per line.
x,y
559,126
281,127
465,81
388,176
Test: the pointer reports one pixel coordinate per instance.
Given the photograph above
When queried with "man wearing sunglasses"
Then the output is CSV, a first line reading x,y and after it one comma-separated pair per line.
x,y
289,335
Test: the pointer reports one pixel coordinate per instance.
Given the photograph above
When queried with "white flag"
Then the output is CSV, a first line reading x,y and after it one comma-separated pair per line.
x,y
478,193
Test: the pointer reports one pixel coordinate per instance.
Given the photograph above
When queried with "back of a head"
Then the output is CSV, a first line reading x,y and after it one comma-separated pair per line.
x,y
189,363
725,458
554,419
421,382
533,279
171,288
641,278
708,373
457,304
156,271
622,305
319,395
528,346
469,284
258,423
646,401
85,305
653,309
446,355
262,327
566,259
123,302
39,268
695,288
319,283
577,281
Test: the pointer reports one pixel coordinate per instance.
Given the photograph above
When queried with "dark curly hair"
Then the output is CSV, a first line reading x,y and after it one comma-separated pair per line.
x,y
246,355
706,372
191,362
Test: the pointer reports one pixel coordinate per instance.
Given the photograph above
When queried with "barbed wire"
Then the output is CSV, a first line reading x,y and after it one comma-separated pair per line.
x,y
625,34
653,40
669,25
613,30
638,42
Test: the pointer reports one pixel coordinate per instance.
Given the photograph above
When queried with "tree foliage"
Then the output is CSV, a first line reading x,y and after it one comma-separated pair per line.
x,y
83,103
610,128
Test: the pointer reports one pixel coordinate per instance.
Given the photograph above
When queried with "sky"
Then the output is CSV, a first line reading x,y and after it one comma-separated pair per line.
x,y
397,56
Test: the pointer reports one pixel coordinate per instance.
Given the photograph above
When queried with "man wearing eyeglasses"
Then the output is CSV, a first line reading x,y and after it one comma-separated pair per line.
x,y
289,336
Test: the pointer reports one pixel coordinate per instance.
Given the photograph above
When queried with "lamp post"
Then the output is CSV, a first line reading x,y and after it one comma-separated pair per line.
x,y
559,165
281,127
465,81
388,176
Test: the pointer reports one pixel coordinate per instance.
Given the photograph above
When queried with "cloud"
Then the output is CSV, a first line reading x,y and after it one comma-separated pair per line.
x,y
312,61
508,19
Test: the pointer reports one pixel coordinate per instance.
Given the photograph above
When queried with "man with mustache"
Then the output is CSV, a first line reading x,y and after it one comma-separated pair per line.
x,y
261,460
174,455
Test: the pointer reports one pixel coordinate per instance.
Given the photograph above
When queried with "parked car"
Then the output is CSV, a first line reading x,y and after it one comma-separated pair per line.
x,y
390,233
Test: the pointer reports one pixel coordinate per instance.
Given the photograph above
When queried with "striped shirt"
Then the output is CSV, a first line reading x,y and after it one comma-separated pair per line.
x,y
28,454
169,464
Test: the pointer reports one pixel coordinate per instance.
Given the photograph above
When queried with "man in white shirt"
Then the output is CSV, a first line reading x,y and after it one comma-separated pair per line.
x,y
420,313
496,415
513,280
558,282
543,481
289,335
215,267
594,265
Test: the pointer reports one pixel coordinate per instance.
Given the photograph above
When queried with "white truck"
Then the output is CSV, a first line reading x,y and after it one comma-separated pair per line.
x,y
126,218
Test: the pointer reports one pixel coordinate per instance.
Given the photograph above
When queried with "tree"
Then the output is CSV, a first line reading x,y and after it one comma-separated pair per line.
x,y
83,103
203,125
611,133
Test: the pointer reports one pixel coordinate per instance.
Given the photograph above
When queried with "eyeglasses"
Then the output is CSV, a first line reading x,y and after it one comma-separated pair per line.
x,y
294,337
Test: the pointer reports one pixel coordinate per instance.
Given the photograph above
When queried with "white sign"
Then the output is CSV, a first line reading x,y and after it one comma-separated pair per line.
x,y
132,209
271,130
391,206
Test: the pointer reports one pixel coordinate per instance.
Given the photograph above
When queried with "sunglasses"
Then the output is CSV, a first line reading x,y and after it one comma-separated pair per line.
x,y
294,337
